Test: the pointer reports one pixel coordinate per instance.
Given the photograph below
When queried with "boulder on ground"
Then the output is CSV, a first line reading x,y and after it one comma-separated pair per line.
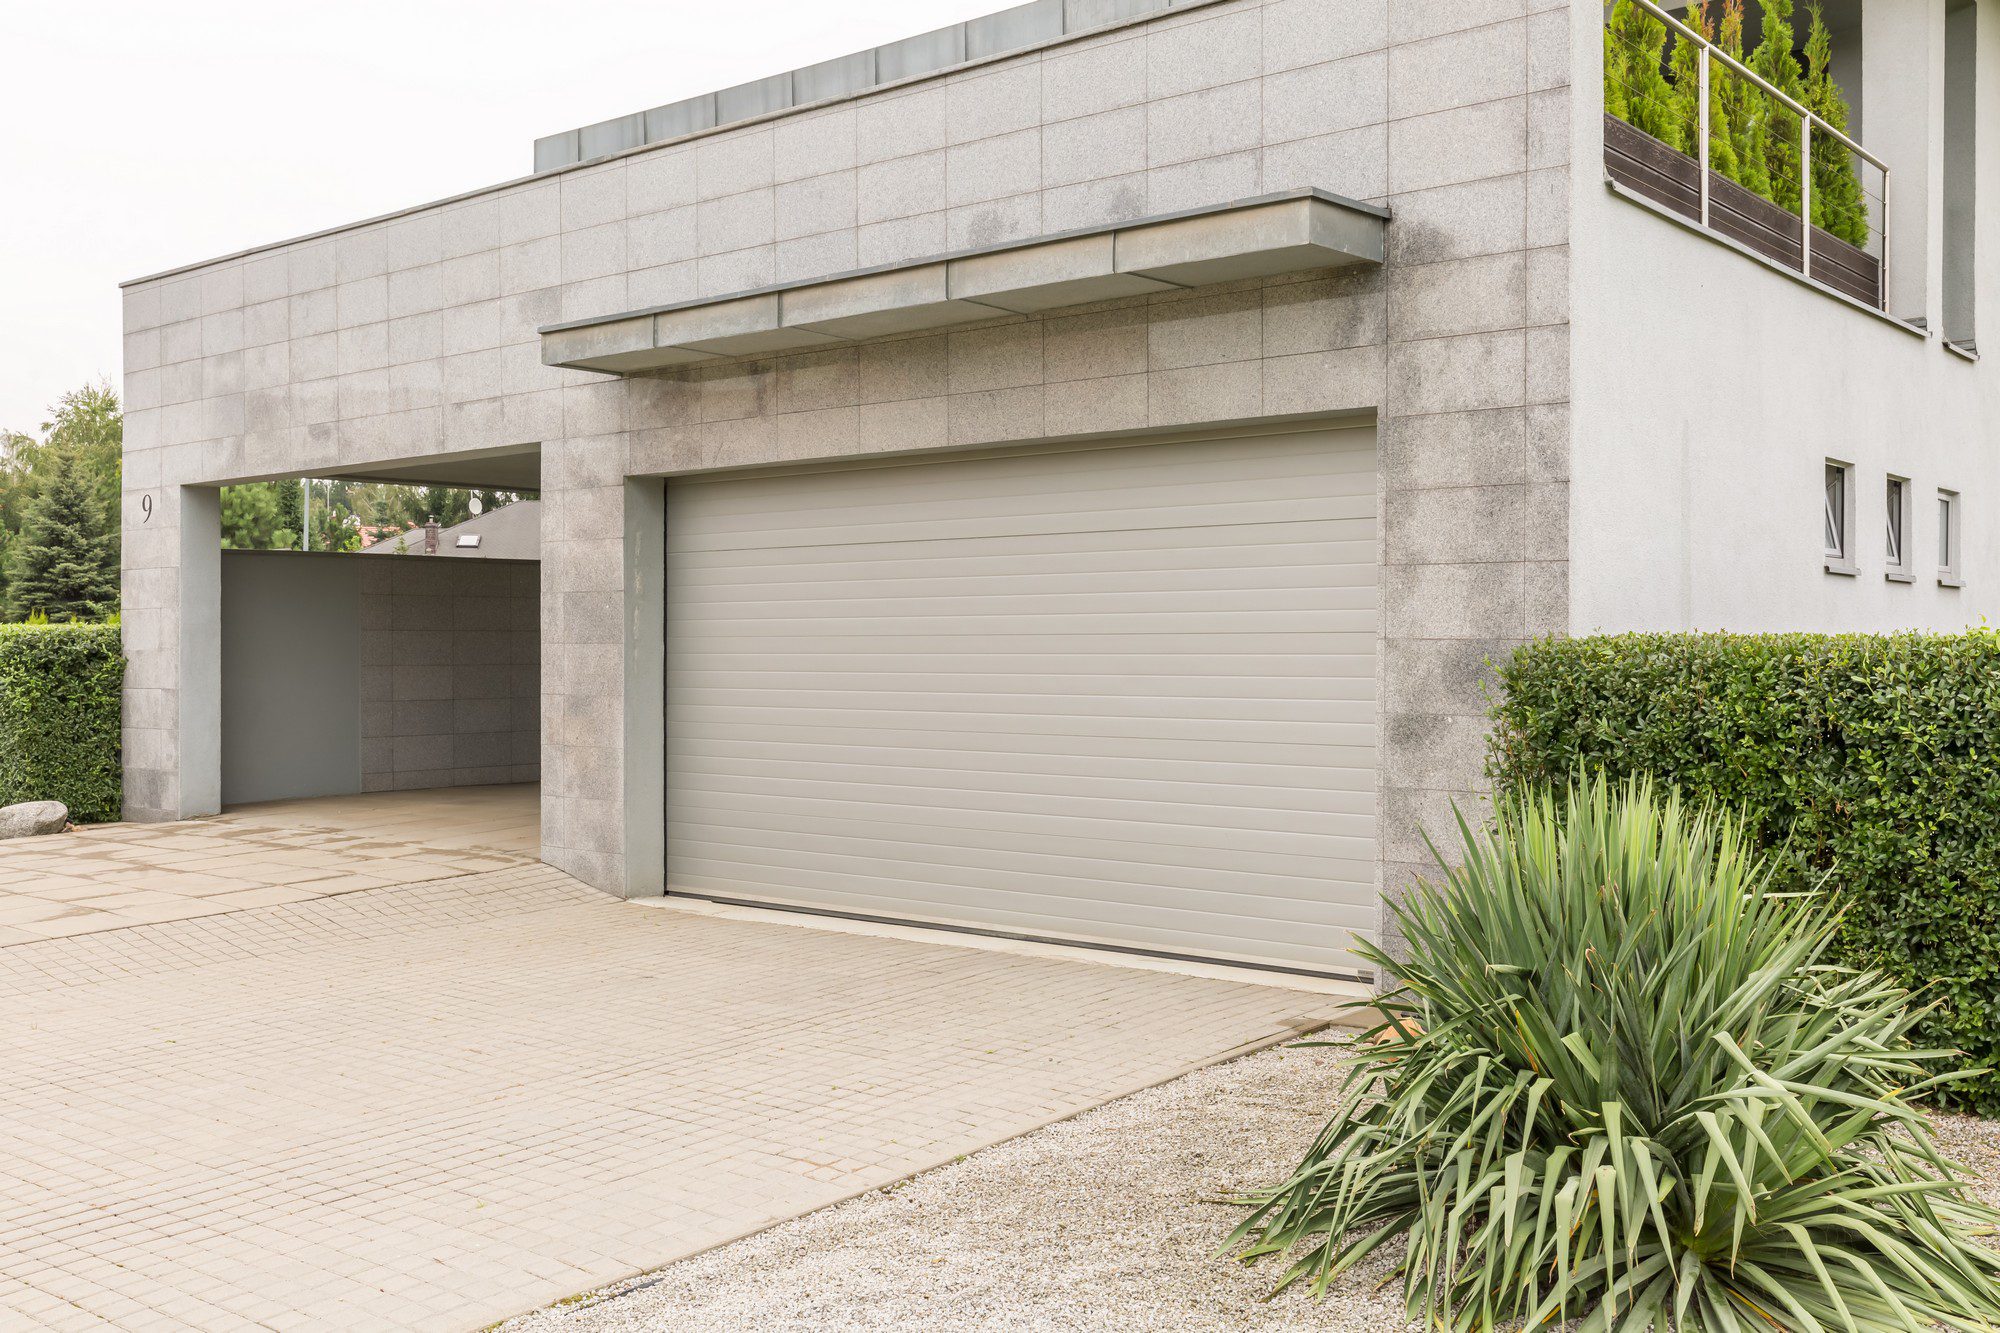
x,y
32,817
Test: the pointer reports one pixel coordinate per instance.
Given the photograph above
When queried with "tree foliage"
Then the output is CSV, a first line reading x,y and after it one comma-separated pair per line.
x,y
1686,65
1836,198
86,427
63,566
1635,88
344,515
1774,59
1652,82
1745,106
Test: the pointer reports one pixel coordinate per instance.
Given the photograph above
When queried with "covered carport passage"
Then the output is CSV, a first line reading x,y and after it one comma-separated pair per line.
x,y
342,674
368,673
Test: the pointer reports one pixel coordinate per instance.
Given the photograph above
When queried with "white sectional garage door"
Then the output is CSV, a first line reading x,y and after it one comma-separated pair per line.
x,y
1123,695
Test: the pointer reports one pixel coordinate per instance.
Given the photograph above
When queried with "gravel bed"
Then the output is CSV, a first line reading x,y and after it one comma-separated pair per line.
x,y
1103,1221
1099,1222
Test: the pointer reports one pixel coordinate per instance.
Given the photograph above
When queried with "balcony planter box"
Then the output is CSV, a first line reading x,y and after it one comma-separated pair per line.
x,y
1672,179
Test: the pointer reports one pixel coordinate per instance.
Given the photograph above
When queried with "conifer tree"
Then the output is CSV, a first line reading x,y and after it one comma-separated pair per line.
x,y
1837,202
1774,60
1616,79
291,516
1647,100
1745,106
1686,64
61,566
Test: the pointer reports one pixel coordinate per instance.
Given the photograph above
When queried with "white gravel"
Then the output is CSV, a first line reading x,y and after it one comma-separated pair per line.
x,y
1100,1222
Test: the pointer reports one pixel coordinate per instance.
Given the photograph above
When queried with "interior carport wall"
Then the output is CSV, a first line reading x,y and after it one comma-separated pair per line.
x,y
418,335
348,673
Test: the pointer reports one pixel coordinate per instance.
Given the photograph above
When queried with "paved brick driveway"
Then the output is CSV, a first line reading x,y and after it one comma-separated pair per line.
x,y
433,1105
117,875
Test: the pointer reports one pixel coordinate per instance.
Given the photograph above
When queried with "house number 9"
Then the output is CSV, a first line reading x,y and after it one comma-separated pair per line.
x,y
146,508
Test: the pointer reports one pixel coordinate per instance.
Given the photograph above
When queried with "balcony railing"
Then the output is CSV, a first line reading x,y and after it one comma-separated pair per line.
x,y
1699,132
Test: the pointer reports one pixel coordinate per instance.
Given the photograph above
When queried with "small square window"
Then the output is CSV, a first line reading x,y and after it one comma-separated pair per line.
x,y
1949,536
1896,529
1839,517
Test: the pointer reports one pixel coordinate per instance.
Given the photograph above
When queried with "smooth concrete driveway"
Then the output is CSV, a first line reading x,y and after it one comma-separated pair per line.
x,y
429,1106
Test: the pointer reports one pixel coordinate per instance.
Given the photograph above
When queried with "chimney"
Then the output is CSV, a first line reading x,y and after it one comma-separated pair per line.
x,y
430,536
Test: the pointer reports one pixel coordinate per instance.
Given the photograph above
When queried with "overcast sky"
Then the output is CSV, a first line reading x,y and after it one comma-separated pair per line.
x,y
137,136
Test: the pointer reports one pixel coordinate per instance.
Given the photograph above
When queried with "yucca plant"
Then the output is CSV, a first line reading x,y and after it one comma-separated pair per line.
x,y
1619,1085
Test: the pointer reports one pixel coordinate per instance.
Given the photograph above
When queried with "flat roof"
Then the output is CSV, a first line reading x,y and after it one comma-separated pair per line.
x,y
987,37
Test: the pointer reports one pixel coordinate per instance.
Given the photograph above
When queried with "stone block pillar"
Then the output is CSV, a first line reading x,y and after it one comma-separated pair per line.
x,y
603,667
172,600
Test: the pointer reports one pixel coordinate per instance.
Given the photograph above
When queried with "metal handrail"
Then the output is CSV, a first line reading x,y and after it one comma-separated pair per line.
x,y
1795,107
1807,120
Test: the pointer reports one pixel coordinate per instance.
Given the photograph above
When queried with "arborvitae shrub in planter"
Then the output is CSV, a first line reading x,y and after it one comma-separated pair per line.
x,y
1869,761
1651,82
60,691
1619,1084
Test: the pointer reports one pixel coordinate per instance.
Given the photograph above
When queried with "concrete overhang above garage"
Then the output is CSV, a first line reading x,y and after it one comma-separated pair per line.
x,y
1285,233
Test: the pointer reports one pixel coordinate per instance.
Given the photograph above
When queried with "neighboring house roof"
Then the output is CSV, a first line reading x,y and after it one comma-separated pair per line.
x,y
511,532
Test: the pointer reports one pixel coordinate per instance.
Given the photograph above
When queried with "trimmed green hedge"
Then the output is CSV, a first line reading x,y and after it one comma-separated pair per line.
x,y
59,718
1873,760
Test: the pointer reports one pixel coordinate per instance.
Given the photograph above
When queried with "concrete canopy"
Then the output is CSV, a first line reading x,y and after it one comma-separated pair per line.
x,y
506,468
1286,233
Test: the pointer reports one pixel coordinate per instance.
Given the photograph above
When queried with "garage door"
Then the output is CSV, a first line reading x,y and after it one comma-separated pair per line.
x,y
1122,695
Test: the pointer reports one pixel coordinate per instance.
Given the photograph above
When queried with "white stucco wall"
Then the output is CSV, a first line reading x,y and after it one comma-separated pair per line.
x,y
1707,393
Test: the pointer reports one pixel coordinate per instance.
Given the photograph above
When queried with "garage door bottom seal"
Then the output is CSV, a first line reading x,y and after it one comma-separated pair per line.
x,y
1029,937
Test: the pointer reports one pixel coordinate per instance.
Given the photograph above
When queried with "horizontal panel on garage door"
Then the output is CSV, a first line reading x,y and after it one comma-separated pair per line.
x,y
1124,695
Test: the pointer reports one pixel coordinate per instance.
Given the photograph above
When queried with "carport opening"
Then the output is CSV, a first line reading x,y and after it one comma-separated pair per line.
x,y
379,637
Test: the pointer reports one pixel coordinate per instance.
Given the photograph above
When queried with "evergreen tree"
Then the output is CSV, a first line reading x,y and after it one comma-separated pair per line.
x,y
17,455
1836,194
250,515
334,527
1616,76
1774,60
1648,101
88,425
62,564
1686,65
1745,106
291,517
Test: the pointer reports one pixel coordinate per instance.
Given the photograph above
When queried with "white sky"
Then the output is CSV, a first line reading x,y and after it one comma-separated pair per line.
x,y
137,135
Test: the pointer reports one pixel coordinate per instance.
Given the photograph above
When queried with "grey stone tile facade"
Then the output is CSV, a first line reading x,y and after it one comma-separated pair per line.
x,y
450,673
416,336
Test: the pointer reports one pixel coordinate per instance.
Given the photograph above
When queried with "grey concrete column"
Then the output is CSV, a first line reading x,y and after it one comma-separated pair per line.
x,y
198,715
1902,74
603,651
1474,425
172,601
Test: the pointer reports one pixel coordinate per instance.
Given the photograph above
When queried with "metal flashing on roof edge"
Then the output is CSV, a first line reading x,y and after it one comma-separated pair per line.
x,y
1262,237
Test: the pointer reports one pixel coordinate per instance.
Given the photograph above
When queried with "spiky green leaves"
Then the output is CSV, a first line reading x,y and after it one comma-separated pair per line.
x,y
1619,1085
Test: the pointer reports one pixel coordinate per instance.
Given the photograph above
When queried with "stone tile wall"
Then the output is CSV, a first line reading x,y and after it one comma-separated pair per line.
x,y
416,336
450,672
